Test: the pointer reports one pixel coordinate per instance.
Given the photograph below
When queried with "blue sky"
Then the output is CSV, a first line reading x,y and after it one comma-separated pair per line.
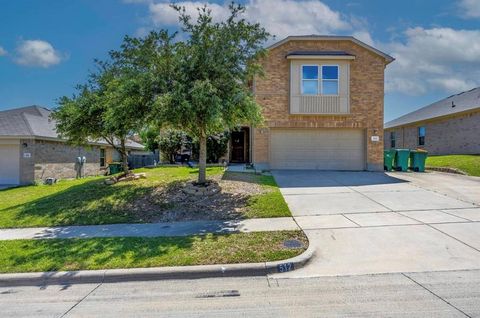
x,y
47,47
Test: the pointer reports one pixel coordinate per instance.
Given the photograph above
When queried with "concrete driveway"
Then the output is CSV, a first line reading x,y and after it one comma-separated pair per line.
x,y
367,223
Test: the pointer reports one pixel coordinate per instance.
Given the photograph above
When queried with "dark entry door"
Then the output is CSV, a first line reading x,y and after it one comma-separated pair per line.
x,y
238,146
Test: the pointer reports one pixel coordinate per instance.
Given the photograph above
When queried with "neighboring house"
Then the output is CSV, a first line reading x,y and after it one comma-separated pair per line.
x,y
322,100
30,149
449,126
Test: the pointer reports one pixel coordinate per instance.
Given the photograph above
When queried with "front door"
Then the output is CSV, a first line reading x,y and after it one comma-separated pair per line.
x,y
238,146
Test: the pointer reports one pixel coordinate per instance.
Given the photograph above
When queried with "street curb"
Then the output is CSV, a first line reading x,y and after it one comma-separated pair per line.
x,y
156,273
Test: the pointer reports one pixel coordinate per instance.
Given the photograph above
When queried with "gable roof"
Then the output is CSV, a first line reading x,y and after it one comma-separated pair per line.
x,y
458,103
314,37
35,122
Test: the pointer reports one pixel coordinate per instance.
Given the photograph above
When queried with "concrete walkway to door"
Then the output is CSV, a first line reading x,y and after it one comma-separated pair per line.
x,y
367,223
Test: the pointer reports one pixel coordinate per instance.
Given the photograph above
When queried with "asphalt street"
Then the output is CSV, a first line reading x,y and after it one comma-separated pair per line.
x,y
431,294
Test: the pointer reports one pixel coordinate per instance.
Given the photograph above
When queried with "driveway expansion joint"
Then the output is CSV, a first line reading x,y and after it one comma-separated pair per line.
x,y
434,294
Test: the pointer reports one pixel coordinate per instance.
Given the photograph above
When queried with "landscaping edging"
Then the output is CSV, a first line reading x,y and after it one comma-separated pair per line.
x,y
156,273
447,170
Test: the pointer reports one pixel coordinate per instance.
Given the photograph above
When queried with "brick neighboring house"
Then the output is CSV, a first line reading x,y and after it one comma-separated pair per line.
x,y
322,99
449,126
30,149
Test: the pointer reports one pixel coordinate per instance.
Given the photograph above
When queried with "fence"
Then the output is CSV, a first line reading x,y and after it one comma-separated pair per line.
x,y
142,160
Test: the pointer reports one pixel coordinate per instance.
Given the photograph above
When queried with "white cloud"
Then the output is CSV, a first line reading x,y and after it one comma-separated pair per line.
x,y
365,37
437,58
470,8
280,17
2,51
37,53
442,59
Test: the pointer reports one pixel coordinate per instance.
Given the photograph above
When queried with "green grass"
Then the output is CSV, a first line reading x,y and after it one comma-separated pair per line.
x,y
269,204
89,201
123,252
469,164
84,201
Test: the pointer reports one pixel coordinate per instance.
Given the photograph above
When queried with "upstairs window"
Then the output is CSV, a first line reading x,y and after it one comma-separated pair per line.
x,y
421,136
320,80
310,80
329,80
392,139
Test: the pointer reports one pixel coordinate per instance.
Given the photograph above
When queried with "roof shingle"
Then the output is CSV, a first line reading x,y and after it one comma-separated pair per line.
x,y
35,122
465,101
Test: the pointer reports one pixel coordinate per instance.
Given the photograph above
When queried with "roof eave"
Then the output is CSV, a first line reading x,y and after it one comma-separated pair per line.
x,y
410,123
320,57
388,59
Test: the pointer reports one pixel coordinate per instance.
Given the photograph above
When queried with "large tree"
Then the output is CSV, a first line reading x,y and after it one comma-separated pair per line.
x,y
214,67
117,99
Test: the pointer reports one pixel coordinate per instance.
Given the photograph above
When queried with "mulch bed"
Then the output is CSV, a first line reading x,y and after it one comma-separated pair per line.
x,y
172,203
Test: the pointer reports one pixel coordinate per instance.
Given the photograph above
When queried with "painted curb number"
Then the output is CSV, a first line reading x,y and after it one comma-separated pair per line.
x,y
285,267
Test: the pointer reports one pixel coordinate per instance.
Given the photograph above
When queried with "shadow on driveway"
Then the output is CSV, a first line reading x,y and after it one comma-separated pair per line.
x,y
311,178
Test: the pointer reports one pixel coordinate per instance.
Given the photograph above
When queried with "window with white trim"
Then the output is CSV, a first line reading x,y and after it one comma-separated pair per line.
x,y
320,80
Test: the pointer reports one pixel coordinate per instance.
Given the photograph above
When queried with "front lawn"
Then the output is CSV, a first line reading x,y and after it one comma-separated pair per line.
x,y
156,198
123,252
469,164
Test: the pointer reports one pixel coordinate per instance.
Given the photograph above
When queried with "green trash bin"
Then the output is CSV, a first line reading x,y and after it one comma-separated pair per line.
x,y
388,156
114,168
401,159
417,160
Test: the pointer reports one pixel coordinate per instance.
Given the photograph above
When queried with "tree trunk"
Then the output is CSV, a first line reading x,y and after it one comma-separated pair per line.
x,y
123,154
202,159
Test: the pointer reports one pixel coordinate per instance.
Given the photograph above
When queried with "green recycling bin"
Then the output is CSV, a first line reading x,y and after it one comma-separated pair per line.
x,y
401,159
388,156
417,160
114,168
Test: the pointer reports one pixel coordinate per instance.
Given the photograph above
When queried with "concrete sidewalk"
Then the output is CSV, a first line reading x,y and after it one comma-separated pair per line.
x,y
152,229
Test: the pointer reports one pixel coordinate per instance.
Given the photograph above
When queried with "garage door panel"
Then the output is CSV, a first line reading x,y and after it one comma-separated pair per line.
x,y
9,164
323,149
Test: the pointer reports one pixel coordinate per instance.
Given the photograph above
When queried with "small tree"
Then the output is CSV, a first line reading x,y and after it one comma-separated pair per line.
x,y
150,138
210,92
100,111
171,142
118,98
217,146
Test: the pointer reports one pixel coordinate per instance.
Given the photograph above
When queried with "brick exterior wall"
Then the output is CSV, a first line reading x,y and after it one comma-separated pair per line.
x,y
366,98
55,159
457,134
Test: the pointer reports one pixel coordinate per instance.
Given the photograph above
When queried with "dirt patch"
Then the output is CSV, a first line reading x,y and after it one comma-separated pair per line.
x,y
172,203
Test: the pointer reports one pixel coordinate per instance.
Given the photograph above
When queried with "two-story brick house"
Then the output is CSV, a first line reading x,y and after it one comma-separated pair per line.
x,y
322,100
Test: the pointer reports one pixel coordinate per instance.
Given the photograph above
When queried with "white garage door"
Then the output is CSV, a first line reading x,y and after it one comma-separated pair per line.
x,y
322,149
9,164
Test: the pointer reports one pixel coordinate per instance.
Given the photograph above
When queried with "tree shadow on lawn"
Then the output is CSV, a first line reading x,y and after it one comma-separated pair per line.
x,y
50,255
91,202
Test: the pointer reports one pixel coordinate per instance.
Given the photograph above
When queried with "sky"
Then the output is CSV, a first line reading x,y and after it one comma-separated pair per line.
x,y
47,47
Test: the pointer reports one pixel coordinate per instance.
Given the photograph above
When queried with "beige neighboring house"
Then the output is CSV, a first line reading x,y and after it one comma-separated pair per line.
x,y
31,150
322,99
449,126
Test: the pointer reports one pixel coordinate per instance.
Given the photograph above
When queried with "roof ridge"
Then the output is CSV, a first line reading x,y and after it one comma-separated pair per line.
x,y
442,107
27,123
